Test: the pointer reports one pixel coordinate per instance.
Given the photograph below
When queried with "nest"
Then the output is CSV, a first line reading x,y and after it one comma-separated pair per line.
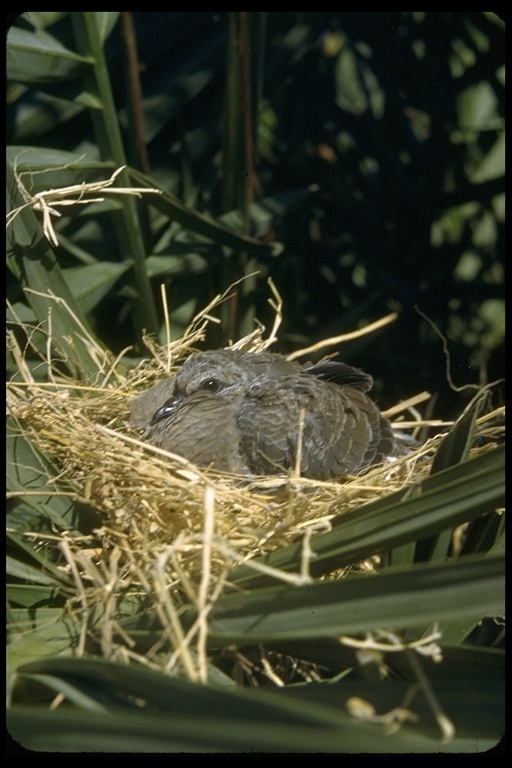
x,y
169,532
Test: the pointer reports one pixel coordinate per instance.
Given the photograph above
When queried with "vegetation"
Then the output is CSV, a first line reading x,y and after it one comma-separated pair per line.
x,y
164,168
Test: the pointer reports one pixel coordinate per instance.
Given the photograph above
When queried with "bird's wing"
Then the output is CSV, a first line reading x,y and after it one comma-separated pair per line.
x,y
337,430
342,374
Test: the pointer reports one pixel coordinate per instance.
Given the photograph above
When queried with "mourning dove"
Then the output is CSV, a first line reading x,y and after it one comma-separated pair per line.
x,y
253,413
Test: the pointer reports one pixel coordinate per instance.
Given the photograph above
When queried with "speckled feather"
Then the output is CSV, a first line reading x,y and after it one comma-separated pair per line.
x,y
248,412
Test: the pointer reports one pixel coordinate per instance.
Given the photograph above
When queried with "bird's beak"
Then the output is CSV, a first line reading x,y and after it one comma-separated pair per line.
x,y
167,409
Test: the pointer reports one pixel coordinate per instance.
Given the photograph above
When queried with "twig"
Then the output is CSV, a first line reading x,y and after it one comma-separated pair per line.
x,y
344,337
47,201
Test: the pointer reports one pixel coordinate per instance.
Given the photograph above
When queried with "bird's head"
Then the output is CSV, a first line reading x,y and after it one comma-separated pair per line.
x,y
206,374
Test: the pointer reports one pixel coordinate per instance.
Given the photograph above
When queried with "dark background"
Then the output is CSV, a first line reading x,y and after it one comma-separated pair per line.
x,y
377,163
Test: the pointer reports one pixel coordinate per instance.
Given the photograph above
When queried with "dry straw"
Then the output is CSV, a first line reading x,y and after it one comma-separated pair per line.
x,y
170,531
48,201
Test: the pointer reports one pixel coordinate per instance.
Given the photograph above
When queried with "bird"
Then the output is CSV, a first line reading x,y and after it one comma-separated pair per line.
x,y
257,413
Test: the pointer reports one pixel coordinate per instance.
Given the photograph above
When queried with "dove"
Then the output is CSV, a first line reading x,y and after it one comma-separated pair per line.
x,y
256,413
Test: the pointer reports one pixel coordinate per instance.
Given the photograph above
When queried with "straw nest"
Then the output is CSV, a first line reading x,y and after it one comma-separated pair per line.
x,y
170,531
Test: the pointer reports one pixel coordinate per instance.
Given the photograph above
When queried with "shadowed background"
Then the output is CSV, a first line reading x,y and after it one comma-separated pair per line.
x,y
370,144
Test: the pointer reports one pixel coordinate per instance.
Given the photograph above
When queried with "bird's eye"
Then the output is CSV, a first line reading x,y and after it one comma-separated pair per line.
x,y
211,385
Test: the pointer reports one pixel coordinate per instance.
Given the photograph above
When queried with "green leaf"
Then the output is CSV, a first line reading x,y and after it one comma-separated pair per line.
x,y
19,570
43,633
90,283
43,114
33,496
468,683
31,596
413,597
144,711
457,443
32,261
189,263
37,57
204,225
105,22
456,495
44,168
146,733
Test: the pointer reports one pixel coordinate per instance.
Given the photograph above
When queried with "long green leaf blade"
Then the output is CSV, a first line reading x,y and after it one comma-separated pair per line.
x,y
406,598
455,496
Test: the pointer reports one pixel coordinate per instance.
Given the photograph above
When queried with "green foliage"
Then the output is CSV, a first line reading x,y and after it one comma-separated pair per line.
x,y
382,175
135,710
363,171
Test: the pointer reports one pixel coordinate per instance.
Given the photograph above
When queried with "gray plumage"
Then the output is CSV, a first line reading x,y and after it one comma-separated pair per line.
x,y
243,412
